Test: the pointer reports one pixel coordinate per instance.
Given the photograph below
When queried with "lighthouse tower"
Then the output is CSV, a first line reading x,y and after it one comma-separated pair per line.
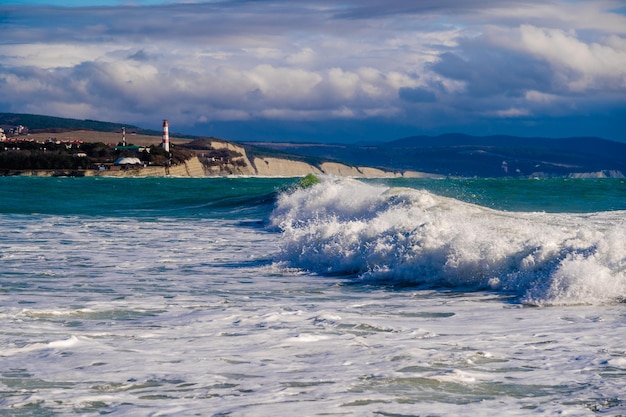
x,y
166,136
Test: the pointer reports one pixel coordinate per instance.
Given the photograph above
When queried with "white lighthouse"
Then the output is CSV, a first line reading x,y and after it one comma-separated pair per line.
x,y
166,136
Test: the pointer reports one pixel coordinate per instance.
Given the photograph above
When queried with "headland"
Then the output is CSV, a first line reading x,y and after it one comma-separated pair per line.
x,y
205,157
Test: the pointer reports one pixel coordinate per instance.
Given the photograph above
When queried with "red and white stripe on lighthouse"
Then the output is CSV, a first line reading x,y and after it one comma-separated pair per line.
x,y
166,136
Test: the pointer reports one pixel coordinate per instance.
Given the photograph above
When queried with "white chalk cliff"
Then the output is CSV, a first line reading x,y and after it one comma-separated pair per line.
x,y
266,166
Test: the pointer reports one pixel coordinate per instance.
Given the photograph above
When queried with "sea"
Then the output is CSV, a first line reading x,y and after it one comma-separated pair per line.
x,y
261,297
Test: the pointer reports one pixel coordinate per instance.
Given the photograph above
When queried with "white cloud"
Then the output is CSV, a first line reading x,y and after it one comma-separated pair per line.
x,y
283,83
592,63
344,84
512,112
597,15
305,56
539,97
51,55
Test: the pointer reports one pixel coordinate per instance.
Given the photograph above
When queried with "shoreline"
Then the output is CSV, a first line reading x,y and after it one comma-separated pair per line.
x,y
193,168
202,165
209,161
189,169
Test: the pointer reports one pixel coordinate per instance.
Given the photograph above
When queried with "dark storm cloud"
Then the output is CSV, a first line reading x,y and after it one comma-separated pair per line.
x,y
417,95
193,21
374,8
489,72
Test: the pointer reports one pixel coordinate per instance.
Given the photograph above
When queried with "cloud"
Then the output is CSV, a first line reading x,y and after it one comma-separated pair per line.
x,y
426,64
140,55
354,9
512,112
417,95
302,57
582,65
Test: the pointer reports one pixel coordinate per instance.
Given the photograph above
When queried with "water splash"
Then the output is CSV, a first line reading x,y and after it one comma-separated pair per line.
x,y
409,236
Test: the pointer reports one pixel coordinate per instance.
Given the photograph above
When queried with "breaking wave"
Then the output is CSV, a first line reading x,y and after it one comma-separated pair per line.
x,y
402,236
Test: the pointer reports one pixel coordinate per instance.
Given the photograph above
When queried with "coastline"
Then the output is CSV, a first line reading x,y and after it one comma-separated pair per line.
x,y
193,168
216,157
240,164
269,168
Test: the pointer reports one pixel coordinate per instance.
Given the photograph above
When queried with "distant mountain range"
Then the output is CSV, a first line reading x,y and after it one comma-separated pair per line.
x,y
480,156
449,154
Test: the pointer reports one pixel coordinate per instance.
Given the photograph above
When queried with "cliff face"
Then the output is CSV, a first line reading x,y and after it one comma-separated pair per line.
x,y
213,157
238,163
276,167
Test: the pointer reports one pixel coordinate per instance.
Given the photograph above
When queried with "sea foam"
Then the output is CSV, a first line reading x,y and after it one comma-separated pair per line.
x,y
414,237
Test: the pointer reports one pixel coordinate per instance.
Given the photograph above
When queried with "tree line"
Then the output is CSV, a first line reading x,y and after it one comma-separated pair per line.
x,y
27,155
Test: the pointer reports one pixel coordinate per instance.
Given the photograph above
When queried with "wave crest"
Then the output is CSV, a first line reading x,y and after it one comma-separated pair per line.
x,y
409,236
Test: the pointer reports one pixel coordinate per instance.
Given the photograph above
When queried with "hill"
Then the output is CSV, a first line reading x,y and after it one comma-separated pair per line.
x,y
38,123
481,156
58,146
35,123
445,155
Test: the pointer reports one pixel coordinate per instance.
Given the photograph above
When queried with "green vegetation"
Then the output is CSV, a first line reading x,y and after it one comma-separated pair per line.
x,y
33,161
21,153
34,155
31,155
37,123
309,181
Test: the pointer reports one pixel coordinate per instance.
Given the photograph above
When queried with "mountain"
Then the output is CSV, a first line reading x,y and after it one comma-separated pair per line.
x,y
482,156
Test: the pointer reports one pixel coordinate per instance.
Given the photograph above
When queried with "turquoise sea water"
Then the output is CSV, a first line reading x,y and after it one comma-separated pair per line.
x,y
250,296
189,197
138,197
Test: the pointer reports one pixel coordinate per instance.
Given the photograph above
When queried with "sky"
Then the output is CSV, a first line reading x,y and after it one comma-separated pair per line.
x,y
347,71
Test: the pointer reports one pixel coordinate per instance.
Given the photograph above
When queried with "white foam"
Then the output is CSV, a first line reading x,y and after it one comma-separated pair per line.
x,y
307,338
413,236
65,343
70,342
216,332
